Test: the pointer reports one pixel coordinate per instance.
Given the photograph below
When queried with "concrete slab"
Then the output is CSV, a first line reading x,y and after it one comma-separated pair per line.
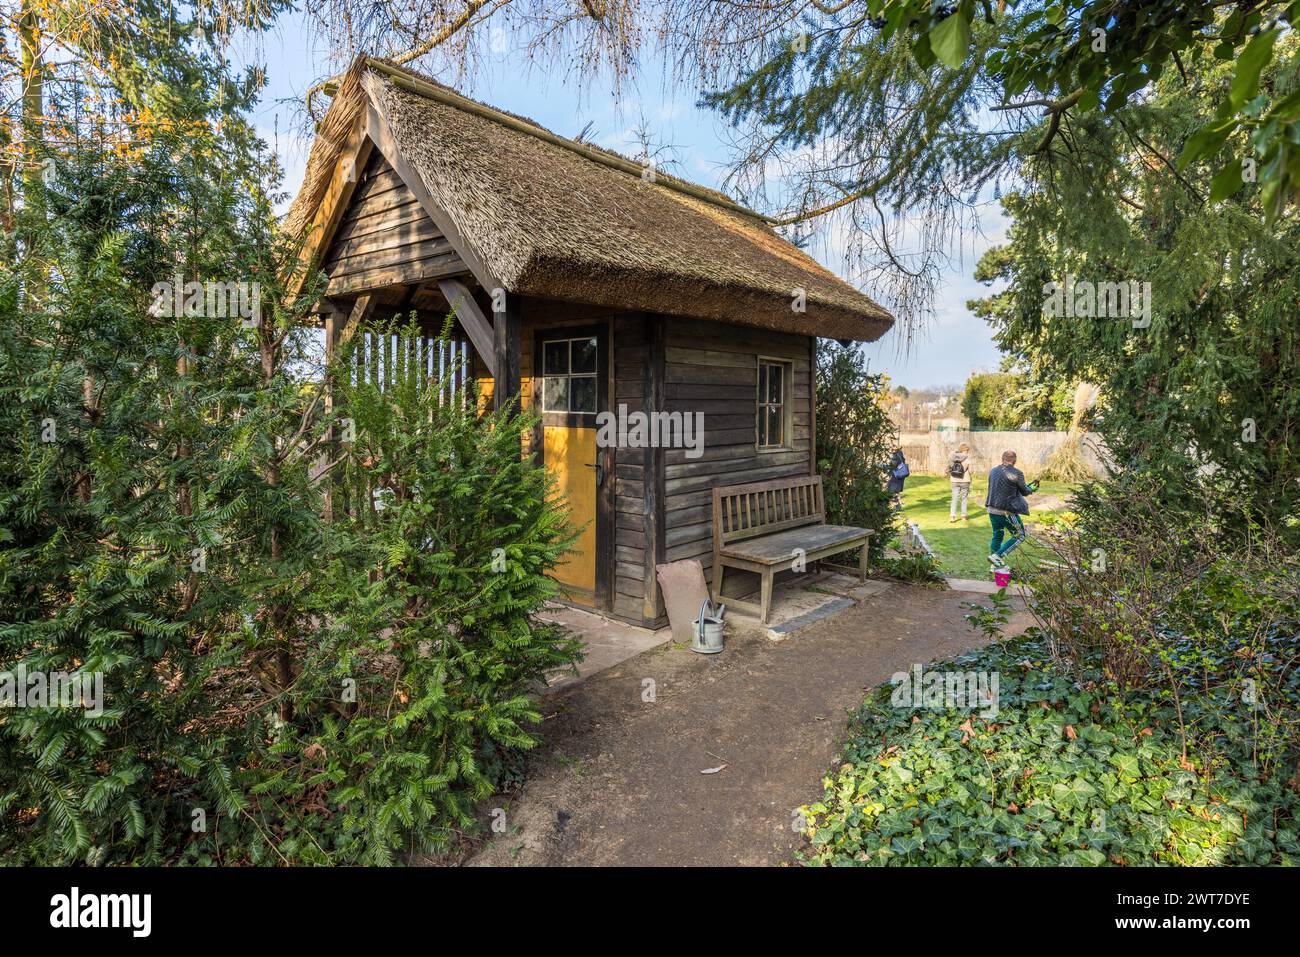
x,y
824,610
608,643
796,604
848,586
977,587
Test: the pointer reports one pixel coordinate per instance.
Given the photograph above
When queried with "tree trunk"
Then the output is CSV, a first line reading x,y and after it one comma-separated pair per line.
x,y
33,100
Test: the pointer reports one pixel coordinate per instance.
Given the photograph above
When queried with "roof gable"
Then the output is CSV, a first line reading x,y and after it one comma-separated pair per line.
x,y
385,235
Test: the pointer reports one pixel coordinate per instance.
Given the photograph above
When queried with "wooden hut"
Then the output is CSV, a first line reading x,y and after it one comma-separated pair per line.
x,y
584,283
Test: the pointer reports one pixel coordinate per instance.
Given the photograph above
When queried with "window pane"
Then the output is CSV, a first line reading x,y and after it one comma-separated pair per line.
x,y
774,422
582,393
584,355
762,381
555,394
776,390
555,357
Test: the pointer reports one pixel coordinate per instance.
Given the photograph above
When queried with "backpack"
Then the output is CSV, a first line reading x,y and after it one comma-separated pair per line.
x,y
902,471
957,469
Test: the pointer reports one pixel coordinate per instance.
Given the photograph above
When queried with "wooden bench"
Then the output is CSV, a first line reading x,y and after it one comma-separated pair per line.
x,y
770,527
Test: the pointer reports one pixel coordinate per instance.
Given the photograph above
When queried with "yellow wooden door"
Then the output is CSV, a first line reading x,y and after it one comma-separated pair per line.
x,y
571,388
569,454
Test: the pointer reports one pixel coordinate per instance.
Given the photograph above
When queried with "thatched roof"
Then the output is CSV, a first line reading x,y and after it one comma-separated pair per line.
x,y
554,218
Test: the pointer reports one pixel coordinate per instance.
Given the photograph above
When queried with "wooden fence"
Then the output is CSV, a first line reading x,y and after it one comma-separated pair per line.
x,y
385,355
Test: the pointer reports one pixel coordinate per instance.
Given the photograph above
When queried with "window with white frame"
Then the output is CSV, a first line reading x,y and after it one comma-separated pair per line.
x,y
569,375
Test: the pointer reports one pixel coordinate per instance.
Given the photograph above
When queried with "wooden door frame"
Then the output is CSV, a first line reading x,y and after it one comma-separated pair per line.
x,y
604,585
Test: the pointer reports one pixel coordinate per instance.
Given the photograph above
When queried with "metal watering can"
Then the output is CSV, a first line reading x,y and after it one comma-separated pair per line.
x,y
707,629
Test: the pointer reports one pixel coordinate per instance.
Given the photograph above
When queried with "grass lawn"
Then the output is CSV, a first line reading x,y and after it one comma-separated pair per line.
x,y
962,548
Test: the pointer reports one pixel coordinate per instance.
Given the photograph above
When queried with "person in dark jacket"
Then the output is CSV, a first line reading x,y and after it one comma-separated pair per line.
x,y
1006,504
898,472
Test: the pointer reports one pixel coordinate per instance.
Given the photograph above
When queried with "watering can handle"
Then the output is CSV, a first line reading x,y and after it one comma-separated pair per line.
x,y
705,608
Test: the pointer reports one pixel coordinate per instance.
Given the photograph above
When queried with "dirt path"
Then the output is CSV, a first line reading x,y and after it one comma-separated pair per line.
x,y
618,780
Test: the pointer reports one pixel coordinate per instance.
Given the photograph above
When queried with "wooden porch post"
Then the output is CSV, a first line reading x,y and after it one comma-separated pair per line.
x,y
507,327
812,400
340,326
653,469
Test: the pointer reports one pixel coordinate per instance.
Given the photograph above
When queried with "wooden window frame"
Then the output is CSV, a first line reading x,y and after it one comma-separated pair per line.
x,y
786,404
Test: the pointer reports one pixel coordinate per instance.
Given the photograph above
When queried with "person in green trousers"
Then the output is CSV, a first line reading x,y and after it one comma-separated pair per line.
x,y
1006,506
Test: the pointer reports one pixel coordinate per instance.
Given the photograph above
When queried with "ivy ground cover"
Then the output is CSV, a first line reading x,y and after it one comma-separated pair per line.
x,y
1065,772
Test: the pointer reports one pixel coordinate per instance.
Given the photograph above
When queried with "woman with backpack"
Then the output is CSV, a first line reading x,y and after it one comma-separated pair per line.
x,y
960,473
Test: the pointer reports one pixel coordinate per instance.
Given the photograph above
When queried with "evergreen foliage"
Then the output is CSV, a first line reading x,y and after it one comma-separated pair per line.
x,y
855,439
1207,387
162,526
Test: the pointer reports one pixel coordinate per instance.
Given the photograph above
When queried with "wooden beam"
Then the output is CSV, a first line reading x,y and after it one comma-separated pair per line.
x,y
471,318
812,409
362,310
340,325
508,346
405,274
334,202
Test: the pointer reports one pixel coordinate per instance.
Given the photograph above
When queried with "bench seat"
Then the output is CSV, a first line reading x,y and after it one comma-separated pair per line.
x,y
775,548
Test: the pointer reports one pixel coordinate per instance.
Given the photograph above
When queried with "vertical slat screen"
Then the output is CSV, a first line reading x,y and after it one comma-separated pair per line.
x,y
384,356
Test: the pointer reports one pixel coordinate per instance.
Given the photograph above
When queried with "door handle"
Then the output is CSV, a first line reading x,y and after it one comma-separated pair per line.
x,y
600,472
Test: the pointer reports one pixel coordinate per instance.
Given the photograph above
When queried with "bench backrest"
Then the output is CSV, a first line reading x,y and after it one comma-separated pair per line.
x,y
760,508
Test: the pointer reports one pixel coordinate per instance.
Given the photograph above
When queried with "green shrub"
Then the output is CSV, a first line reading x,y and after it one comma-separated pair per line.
x,y
412,693
124,504
989,401
855,437
1145,588
1152,718
170,538
915,567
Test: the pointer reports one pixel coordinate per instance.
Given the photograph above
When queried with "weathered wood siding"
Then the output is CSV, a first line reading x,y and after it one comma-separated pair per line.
x,y
385,237
662,499
713,368
628,346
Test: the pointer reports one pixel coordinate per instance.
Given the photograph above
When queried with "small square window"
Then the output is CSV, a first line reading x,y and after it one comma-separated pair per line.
x,y
584,356
569,375
555,394
582,394
555,358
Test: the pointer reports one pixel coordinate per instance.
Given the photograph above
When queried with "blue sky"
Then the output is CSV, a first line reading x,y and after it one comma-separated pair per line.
x,y
952,344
